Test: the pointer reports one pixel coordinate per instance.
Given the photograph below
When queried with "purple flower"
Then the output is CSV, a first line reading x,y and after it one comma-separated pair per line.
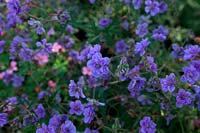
x,y
197,90
94,50
84,53
13,20
7,78
87,130
40,30
152,7
14,7
37,25
75,90
2,22
92,82
51,32
17,80
70,28
67,42
168,83
125,25
63,17
45,129
26,54
198,106
162,7
14,10
92,1
183,98
57,120
29,119
144,19
40,111
190,75
12,100
104,22
3,119
152,65
15,46
46,47
136,85
42,94
68,127
99,65
191,52
88,114
74,55
147,125
76,107
160,33
121,46
137,4
142,30
196,64
134,72
178,51
140,46
2,43
169,117
127,2
143,99
89,51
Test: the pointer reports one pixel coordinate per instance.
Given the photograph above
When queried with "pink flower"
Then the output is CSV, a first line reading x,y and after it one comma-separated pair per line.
x,y
52,86
2,75
8,108
7,1
57,47
42,59
2,33
52,83
13,66
86,71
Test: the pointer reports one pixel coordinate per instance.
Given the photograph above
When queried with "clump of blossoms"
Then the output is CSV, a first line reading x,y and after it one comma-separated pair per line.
x,y
147,125
168,83
99,66
96,66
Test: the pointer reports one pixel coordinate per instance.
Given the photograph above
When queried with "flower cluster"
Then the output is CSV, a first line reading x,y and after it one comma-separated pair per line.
x,y
97,66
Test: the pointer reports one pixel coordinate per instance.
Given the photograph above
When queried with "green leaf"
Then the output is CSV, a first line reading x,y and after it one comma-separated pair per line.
x,y
193,3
